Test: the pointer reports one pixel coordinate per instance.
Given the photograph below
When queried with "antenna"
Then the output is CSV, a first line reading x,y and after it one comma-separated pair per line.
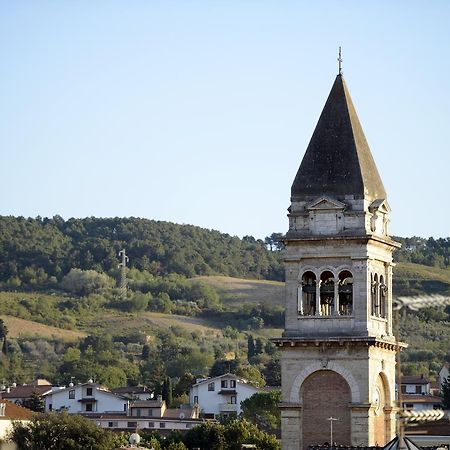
x,y
340,61
123,273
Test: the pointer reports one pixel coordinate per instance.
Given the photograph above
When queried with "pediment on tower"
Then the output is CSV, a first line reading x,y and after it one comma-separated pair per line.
x,y
326,204
380,205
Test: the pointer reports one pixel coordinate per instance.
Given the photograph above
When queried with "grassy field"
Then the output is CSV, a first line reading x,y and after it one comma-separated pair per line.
x,y
235,291
27,328
148,321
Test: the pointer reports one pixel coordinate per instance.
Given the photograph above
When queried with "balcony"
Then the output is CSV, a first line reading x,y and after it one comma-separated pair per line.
x,y
227,407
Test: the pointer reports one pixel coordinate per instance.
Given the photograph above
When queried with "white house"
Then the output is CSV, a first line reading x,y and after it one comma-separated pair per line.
x,y
444,374
220,396
416,394
149,415
84,398
9,413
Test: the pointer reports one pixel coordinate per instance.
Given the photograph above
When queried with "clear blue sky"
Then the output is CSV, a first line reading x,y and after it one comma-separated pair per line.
x,y
200,111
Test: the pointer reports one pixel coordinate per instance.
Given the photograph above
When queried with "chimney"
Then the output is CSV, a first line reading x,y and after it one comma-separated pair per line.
x,y
159,398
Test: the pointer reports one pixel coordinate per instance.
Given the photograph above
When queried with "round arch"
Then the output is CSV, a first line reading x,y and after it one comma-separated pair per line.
x,y
334,366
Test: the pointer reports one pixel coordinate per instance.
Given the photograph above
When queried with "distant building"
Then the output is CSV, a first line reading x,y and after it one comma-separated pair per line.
x,y
150,415
416,394
85,398
444,374
220,396
9,413
20,394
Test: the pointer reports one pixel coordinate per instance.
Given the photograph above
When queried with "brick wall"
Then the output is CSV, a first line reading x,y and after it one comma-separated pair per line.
x,y
325,394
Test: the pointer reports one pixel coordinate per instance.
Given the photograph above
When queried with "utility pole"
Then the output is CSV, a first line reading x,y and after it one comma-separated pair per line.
x,y
123,273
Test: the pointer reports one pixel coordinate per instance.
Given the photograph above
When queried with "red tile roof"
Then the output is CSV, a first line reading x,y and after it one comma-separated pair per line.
x,y
15,412
25,391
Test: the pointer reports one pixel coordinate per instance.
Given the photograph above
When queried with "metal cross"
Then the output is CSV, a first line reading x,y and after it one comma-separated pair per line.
x,y
340,61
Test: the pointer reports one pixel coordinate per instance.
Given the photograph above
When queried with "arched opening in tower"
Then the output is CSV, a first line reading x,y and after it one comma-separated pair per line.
x,y
325,394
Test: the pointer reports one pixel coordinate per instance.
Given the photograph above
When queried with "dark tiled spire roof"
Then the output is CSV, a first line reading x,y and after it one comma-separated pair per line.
x,y
338,160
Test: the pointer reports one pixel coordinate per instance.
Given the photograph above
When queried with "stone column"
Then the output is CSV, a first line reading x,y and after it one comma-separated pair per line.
x,y
291,417
360,424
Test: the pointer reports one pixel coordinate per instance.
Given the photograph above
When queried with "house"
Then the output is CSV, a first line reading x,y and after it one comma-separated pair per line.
x,y
444,374
9,413
150,415
416,394
85,398
221,395
20,394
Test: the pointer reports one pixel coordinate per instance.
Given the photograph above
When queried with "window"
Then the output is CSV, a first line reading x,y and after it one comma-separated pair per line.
x,y
72,394
195,399
150,412
89,407
151,425
233,400
418,389
224,384
307,295
383,295
113,424
50,407
233,384
131,424
138,412
89,392
211,387
162,425
403,389
125,407
326,293
345,293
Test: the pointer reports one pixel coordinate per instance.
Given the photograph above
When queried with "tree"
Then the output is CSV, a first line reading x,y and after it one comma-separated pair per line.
x,y
167,391
56,431
250,347
446,393
238,432
35,402
85,282
3,334
207,436
259,346
262,410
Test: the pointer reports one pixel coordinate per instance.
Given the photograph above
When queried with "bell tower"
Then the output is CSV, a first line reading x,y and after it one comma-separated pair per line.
x,y
338,348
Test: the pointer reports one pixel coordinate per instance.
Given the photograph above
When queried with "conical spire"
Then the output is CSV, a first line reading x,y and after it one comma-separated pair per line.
x,y
338,160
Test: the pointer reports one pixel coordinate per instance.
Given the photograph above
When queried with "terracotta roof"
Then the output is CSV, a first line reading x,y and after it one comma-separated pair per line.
x,y
410,379
147,404
174,413
15,412
338,160
25,391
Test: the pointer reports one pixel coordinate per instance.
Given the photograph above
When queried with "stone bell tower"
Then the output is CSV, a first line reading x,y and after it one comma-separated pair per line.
x,y
338,349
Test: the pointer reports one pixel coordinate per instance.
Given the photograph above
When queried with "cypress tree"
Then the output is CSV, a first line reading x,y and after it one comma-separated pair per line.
x,y
250,347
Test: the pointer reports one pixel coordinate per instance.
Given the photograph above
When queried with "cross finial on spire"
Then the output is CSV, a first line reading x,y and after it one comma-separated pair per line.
x,y
340,61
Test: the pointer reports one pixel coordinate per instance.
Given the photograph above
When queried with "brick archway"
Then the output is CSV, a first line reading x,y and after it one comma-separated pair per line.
x,y
325,394
332,365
